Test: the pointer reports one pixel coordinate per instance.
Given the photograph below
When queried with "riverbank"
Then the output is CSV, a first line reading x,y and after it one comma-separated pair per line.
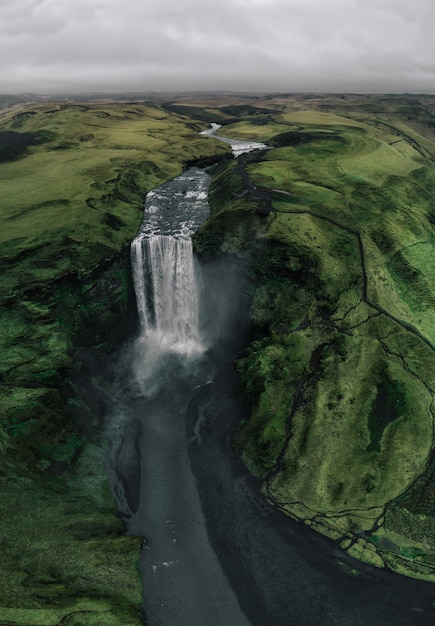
x,y
280,569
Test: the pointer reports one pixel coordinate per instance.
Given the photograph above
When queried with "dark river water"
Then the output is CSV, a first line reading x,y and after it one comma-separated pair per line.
x,y
215,553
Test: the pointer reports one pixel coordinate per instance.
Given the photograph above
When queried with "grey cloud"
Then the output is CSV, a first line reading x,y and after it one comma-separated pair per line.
x,y
27,17
226,44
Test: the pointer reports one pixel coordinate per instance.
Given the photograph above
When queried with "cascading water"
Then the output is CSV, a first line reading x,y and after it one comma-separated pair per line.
x,y
165,367
238,146
163,266
166,290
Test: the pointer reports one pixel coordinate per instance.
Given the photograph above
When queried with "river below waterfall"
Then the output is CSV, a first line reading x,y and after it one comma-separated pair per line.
x,y
214,552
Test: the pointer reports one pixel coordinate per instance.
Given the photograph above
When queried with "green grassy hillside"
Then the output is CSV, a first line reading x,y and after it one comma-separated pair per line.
x,y
73,179
340,378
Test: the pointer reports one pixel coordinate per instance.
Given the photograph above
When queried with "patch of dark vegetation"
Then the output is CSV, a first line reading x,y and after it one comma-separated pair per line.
x,y
424,181
403,268
283,260
411,280
19,119
379,199
87,137
387,407
260,121
43,426
77,107
64,145
133,112
150,169
197,113
291,138
14,145
243,110
419,499
297,138
240,222
112,221
87,308
229,173
92,203
381,239
204,162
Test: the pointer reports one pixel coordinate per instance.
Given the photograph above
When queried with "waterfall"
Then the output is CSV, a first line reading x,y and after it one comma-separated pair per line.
x,y
159,409
166,290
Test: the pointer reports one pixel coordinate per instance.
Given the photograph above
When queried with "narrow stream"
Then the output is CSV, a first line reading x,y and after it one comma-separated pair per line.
x,y
238,146
214,553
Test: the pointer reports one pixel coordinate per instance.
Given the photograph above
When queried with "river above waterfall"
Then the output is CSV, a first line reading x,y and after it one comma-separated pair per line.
x,y
215,553
238,146
177,207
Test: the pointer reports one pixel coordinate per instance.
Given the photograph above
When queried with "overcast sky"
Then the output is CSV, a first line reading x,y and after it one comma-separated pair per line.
x,y
242,45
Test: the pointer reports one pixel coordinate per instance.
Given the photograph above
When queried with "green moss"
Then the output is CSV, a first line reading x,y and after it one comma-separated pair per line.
x,y
70,553
389,404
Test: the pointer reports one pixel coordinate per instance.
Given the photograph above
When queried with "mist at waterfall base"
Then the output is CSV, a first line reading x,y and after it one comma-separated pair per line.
x,y
182,579
215,553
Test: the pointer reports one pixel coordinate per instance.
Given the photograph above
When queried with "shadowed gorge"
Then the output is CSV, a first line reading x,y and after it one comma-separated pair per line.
x,y
317,260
